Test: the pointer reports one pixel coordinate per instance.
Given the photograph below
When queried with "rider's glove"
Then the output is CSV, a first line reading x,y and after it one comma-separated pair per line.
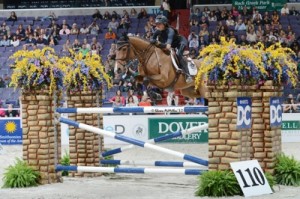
x,y
153,41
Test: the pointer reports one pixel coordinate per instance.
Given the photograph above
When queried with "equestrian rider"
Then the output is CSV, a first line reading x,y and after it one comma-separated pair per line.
x,y
169,38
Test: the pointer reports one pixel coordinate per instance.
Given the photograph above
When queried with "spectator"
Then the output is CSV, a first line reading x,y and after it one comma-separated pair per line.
x,y
84,50
150,25
145,101
251,36
110,34
65,30
2,84
130,102
290,106
204,32
172,99
234,12
194,43
106,15
142,14
107,3
285,10
76,45
10,112
203,22
64,22
245,12
41,41
266,19
5,41
2,111
52,41
166,8
30,41
95,42
133,96
115,15
74,30
230,21
212,16
15,41
118,97
84,29
50,17
113,24
275,19
240,26
94,50
12,17
94,28
294,12
97,15
133,13
123,24
242,41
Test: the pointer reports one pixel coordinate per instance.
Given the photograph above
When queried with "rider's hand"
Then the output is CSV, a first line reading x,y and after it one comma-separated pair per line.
x,y
153,41
168,46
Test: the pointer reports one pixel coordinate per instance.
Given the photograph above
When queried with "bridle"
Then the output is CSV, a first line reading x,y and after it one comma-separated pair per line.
x,y
142,55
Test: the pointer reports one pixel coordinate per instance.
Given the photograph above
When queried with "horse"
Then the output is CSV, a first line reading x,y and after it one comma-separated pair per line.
x,y
156,65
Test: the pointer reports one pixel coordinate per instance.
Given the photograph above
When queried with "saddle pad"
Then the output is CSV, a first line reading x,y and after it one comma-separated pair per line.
x,y
192,67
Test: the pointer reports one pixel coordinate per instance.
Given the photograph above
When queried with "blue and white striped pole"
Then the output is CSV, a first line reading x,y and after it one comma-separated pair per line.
x,y
129,170
158,139
134,141
151,163
150,109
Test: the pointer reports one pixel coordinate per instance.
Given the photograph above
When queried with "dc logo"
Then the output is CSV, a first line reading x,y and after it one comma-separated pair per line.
x,y
244,116
276,114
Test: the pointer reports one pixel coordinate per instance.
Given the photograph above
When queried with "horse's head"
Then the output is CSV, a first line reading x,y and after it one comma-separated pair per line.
x,y
123,48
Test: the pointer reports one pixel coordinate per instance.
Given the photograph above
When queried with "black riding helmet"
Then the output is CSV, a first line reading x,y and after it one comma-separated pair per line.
x,y
161,19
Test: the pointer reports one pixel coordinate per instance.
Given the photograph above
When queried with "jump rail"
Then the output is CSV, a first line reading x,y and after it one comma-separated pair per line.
x,y
129,170
150,163
158,139
150,109
134,141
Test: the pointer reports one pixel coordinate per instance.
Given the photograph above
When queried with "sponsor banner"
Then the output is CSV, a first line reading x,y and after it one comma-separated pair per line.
x,y
244,105
143,127
290,128
10,131
275,111
261,5
161,126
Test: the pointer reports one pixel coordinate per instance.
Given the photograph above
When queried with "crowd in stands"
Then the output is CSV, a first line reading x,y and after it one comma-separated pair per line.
x,y
248,26
96,34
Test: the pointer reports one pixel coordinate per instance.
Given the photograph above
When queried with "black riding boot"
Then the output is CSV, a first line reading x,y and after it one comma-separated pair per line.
x,y
183,63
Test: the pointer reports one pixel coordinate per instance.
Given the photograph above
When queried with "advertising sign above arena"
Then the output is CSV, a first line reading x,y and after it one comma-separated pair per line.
x,y
261,5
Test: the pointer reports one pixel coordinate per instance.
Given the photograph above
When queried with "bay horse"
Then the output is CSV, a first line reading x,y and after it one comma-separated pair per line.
x,y
156,65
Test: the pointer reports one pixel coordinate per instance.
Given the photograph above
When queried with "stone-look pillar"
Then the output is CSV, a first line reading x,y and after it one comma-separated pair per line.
x,y
226,143
85,147
41,144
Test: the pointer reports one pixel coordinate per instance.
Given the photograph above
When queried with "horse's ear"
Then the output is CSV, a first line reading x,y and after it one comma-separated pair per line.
x,y
125,35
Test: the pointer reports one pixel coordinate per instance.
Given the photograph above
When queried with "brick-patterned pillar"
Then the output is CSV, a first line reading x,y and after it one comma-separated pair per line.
x,y
40,141
226,143
84,145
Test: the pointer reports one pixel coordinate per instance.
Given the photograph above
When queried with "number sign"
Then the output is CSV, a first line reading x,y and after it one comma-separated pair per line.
x,y
251,178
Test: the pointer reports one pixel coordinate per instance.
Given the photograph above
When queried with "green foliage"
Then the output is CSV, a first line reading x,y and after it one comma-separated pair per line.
x,y
20,175
287,170
271,179
217,184
65,160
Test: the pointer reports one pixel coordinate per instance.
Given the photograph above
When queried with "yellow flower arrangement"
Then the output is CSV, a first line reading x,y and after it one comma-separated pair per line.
x,y
82,73
223,63
36,70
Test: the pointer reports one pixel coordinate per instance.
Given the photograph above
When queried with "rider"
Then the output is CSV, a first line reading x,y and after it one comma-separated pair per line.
x,y
169,38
